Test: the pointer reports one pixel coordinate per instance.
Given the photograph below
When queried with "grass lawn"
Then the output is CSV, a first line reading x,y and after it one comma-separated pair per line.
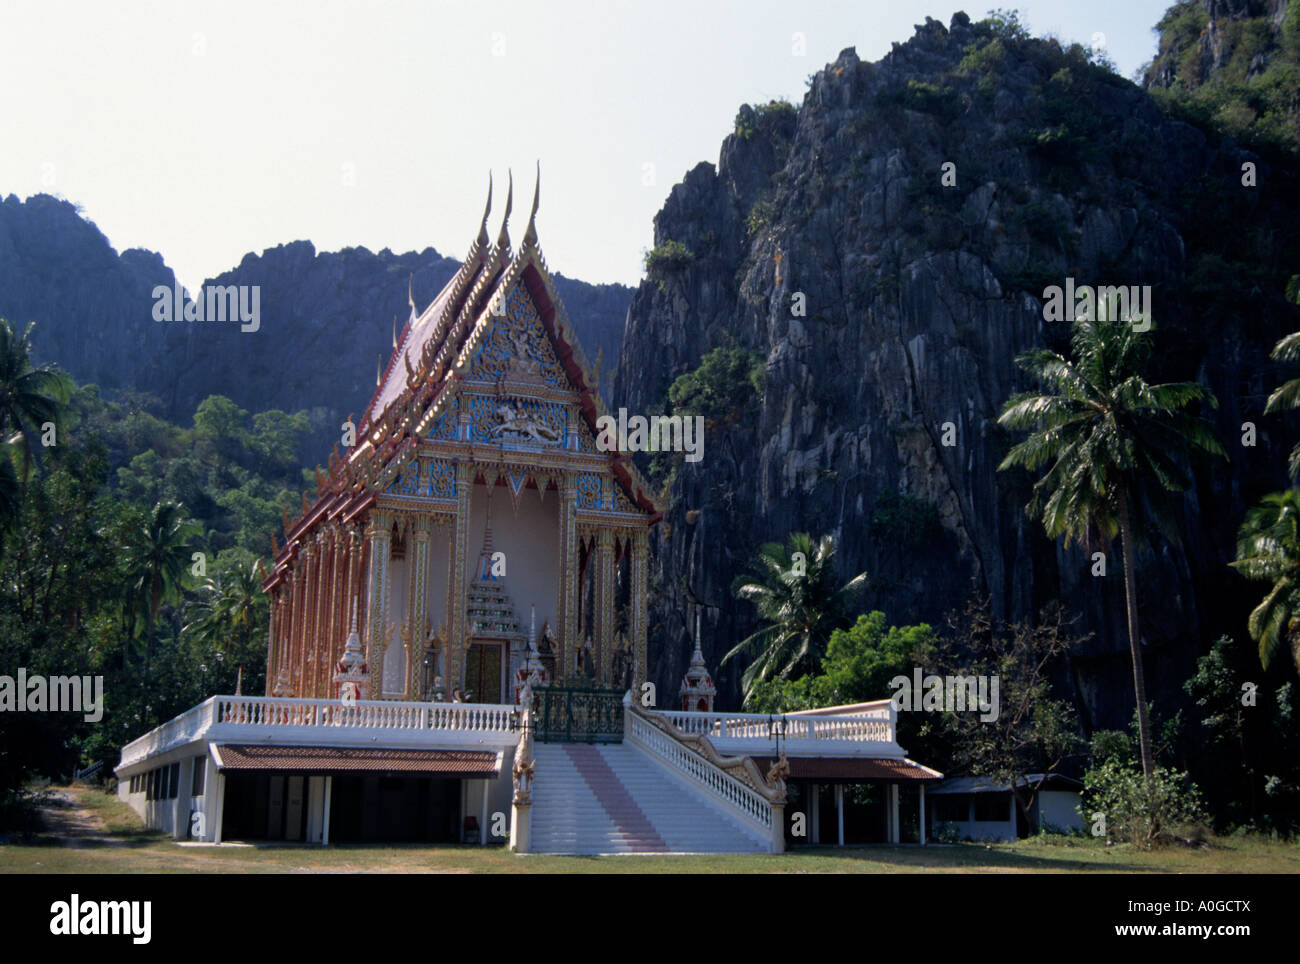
x,y
135,850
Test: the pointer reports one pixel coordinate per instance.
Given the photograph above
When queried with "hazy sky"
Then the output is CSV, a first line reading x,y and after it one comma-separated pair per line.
x,y
204,131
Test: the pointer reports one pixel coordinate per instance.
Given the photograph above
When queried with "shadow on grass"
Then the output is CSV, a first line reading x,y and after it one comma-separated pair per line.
x,y
972,856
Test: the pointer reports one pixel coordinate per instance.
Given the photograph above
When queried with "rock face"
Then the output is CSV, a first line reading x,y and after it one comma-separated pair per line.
x,y
919,293
1233,63
325,318
1192,51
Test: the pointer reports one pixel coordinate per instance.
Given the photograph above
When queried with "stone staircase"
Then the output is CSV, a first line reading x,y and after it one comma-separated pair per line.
x,y
614,799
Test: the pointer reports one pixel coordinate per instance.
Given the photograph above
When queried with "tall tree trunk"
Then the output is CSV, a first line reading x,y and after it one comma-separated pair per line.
x,y
1134,640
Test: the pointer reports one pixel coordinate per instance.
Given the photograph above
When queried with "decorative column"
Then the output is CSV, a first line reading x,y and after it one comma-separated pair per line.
x,y
639,617
458,585
566,609
355,589
320,649
272,649
417,606
295,624
339,601
301,683
279,684
378,534
604,614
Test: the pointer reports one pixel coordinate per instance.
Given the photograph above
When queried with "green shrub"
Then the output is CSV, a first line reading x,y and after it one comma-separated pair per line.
x,y
760,215
1145,813
905,520
724,383
776,117
670,255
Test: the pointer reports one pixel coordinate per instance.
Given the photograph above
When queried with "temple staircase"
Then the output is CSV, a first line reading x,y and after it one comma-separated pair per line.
x,y
615,798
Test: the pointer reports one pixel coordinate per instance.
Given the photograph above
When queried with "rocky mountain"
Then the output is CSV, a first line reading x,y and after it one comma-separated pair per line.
x,y
884,248
1234,64
325,318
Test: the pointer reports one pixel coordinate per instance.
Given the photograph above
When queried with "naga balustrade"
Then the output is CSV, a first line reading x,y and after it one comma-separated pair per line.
x,y
751,807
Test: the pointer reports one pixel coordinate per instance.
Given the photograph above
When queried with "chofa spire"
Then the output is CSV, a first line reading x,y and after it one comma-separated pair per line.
x,y
503,238
530,236
483,239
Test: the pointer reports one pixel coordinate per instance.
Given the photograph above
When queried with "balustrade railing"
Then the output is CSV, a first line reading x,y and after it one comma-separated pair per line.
x,y
271,711
746,802
874,725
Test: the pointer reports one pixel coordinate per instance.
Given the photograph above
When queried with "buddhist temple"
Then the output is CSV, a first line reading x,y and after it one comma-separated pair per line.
x,y
473,501
457,649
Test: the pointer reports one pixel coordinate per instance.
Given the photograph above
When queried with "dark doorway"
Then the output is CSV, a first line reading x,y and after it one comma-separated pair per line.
x,y
265,806
392,809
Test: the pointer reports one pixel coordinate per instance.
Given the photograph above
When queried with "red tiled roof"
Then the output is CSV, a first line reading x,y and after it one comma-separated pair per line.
x,y
853,769
347,759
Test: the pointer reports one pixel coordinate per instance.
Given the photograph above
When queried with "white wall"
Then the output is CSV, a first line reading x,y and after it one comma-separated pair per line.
x,y
531,542
1059,810
169,815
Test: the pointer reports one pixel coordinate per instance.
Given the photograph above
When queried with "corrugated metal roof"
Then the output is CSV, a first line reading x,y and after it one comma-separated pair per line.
x,y
348,759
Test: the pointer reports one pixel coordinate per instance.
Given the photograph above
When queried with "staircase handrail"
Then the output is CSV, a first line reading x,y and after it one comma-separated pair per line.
x,y
742,768
735,782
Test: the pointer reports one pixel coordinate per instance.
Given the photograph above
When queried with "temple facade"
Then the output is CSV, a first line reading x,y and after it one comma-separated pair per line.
x,y
457,640
470,517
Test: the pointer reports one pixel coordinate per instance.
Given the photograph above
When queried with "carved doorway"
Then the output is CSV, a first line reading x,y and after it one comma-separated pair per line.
x,y
483,669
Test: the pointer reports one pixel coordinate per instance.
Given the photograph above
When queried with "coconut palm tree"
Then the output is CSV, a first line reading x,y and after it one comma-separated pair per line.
x,y
9,490
795,591
30,396
230,610
1268,549
1287,395
1115,445
156,561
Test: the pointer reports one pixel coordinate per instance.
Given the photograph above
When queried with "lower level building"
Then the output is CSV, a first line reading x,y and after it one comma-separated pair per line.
x,y
570,770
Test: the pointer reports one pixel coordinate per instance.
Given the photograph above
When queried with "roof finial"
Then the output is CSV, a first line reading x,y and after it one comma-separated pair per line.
x,y
503,239
530,236
410,291
379,371
483,239
394,331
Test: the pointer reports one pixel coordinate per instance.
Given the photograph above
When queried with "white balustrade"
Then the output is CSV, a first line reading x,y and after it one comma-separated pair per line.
x,y
874,725
744,800
249,717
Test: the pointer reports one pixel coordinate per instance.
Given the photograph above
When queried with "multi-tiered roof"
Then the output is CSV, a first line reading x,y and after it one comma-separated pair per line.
x,y
429,363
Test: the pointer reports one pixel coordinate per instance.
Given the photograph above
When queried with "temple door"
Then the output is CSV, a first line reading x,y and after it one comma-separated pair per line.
x,y
483,672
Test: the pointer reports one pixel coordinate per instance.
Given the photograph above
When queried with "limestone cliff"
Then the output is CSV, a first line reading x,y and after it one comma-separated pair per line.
x,y
919,295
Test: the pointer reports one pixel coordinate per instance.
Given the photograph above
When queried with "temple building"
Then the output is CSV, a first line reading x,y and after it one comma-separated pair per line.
x,y
458,633
471,510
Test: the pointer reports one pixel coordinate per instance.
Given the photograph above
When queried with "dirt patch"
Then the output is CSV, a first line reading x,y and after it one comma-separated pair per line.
x,y
64,819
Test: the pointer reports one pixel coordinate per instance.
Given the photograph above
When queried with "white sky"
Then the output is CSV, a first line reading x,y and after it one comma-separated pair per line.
x,y
204,131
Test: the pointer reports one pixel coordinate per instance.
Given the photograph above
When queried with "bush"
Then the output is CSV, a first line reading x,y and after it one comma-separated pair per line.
x,y
776,117
1145,813
721,387
669,255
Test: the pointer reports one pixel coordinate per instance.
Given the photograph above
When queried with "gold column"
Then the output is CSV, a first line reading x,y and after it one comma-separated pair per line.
x,y
638,572
320,648
284,628
604,614
302,684
378,534
417,567
272,649
566,610
338,606
458,593
295,623
354,588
